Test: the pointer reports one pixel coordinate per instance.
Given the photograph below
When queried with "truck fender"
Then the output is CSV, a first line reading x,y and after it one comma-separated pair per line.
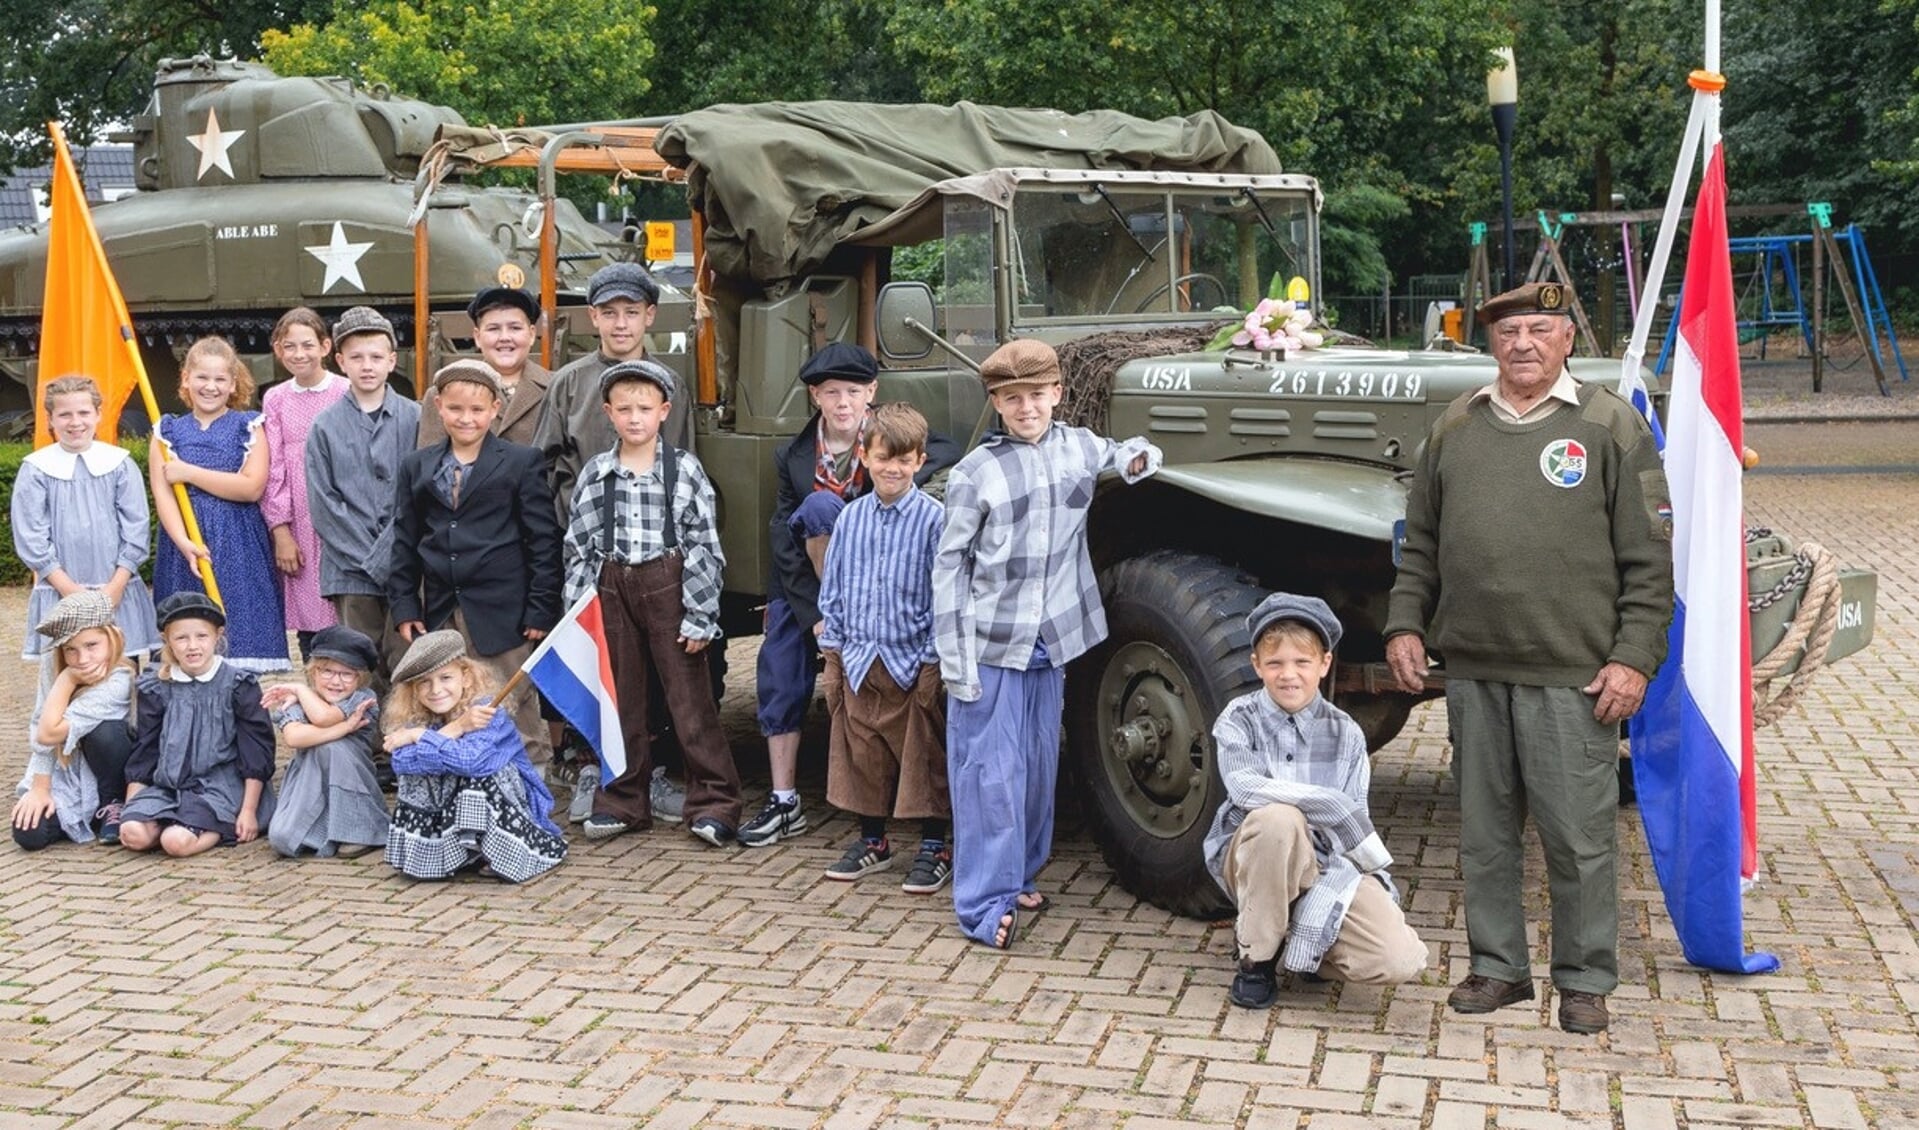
x,y
1348,498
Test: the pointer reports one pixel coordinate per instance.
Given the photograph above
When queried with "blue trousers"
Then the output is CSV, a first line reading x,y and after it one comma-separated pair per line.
x,y
786,671
1002,758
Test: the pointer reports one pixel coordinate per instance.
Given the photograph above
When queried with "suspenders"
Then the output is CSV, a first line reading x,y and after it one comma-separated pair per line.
x,y
669,478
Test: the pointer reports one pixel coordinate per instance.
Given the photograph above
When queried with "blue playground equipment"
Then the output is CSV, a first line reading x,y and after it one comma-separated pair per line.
x,y
1785,305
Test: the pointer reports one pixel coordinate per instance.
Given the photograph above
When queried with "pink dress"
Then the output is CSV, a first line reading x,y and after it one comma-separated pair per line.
x,y
287,412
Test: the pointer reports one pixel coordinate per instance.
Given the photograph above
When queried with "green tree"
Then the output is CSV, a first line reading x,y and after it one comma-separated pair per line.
x,y
498,62
774,50
90,63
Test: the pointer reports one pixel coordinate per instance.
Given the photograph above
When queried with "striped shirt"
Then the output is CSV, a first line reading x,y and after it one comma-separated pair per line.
x,y
1012,568
639,504
876,598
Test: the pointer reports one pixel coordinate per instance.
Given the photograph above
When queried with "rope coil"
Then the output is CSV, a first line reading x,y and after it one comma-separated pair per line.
x,y
1812,629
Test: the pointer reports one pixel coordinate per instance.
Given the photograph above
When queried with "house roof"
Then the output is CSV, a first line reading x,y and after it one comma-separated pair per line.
x,y
102,168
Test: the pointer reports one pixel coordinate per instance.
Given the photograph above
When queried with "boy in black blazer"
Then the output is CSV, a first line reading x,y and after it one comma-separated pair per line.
x,y
476,543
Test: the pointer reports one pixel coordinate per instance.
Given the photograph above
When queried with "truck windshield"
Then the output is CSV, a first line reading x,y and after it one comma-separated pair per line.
x,y
1132,253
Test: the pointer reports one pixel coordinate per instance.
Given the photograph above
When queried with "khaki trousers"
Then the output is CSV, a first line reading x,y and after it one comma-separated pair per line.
x,y
1270,862
497,669
1537,750
887,753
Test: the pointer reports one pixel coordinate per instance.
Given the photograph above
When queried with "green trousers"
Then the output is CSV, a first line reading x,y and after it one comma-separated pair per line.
x,y
1520,749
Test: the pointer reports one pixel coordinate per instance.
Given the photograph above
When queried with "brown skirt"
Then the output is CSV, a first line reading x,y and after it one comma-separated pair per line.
x,y
887,755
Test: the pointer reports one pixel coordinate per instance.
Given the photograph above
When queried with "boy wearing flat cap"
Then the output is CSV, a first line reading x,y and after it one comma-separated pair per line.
x,y
476,547
819,472
505,319
1293,845
352,463
1014,601
642,532
622,299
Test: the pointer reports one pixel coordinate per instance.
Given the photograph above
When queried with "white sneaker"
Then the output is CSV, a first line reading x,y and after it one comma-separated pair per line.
x,y
584,787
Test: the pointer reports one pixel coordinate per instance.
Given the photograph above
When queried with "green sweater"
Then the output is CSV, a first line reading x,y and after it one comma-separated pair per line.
x,y
1537,553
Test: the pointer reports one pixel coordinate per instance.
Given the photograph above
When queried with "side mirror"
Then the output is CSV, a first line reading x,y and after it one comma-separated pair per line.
x,y
905,321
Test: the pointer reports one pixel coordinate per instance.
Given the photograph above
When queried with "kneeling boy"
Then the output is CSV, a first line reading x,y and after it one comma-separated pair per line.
x,y
1294,845
882,679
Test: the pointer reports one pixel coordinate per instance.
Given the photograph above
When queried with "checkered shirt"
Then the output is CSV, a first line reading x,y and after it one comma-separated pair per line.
x,y
640,505
1012,567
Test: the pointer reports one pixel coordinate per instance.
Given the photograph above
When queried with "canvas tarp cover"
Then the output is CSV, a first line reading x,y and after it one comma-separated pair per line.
x,y
781,183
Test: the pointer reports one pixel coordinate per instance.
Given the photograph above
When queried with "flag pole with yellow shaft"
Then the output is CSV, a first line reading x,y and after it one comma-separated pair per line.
x,y
85,328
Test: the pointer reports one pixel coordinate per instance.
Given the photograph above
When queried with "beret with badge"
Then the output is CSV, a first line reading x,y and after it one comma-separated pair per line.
x,y
76,613
1532,298
1308,610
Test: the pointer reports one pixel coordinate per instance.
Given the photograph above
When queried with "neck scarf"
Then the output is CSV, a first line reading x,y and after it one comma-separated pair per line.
x,y
824,477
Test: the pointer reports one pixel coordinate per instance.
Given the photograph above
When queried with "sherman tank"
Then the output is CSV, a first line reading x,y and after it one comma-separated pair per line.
x,y
258,193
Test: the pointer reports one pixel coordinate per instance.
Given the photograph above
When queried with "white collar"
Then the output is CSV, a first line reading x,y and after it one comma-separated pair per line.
x,y
179,676
326,384
1565,390
58,461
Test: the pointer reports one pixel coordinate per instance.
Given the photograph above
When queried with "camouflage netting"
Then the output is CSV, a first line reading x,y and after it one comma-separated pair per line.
x,y
1087,366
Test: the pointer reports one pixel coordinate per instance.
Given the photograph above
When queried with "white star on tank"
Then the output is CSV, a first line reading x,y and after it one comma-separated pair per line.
x,y
213,143
342,259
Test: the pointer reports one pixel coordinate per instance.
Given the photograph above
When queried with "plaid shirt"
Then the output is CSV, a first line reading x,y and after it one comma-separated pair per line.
x,y
1316,761
639,502
1012,567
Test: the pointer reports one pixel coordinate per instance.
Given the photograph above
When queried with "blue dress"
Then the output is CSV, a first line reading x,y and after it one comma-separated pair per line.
x,y
236,535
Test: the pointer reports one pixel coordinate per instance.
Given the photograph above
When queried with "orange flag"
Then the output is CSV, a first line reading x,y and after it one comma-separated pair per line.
x,y
84,328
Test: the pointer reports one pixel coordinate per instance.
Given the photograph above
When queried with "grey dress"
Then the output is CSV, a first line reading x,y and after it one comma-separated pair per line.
x,y
196,744
86,514
330,796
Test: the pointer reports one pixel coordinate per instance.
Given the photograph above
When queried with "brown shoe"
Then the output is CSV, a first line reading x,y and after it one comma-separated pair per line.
x,y
1584,1013
1478,994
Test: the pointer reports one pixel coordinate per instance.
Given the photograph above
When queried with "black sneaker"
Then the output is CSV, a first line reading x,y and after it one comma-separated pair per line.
x,y
863,857
713,831
109,818
1256,985
932,869
600,826
776,821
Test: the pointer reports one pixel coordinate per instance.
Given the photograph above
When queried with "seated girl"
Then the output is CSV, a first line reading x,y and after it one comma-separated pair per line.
x,y
86,686
468,795
202,744
330,802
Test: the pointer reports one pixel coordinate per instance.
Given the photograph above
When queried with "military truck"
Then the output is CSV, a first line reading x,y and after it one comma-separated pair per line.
x,y
258,193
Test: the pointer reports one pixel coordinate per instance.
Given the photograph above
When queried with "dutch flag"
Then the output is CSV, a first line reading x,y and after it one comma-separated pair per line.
x,y
572,670
1692,740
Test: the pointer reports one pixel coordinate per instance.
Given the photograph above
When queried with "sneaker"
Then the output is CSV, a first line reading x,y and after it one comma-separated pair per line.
x,y
863,857
1484,994
713,831
1256,985
669,800
600,826
109,818
777,820
584,786
1583,1013
932,869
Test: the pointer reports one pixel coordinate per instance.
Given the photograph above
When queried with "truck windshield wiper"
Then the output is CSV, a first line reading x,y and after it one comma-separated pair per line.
x,y
1266,221
1123,225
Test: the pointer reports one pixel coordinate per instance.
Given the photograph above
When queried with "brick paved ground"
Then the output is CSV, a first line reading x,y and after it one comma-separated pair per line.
x,y
653,981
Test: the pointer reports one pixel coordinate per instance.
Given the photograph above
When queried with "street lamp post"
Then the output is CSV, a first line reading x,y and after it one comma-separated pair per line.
x,y
1502,94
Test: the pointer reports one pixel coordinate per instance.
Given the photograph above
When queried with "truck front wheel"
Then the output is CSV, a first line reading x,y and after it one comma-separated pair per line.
x,y
1139,714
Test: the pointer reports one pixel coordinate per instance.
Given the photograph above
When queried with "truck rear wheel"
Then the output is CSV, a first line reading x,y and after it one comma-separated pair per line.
x,y
1140,708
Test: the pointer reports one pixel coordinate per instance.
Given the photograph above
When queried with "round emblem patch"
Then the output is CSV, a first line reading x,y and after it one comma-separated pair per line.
x,y
510,274
1563,462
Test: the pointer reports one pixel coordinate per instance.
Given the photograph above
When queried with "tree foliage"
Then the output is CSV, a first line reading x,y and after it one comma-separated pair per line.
x,y
498,62
90,63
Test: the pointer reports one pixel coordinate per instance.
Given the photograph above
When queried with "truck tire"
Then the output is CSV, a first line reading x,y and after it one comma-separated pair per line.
x,y
1139,711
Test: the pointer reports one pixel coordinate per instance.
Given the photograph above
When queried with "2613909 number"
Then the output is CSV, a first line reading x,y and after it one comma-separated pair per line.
x,y
1365,385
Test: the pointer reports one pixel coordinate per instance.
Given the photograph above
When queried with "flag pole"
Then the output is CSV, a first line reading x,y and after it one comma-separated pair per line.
x,y
63,159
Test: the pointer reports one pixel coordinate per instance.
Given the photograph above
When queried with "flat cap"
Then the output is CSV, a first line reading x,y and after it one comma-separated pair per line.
x,y
622,280
473,371
75,613
345,646
504,297
1022,361
189,605
362,320
429,653
1533,298
1308,610
640,369
838,361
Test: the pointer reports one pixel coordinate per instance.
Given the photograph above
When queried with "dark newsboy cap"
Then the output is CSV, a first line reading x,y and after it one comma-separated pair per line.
x,y
622,280
429,653
507,297
838,361
189,605
75,613
345,646
639,369
1308,610
1533,298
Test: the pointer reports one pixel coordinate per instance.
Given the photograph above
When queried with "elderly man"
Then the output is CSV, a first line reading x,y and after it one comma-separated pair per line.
x,y
1538,562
